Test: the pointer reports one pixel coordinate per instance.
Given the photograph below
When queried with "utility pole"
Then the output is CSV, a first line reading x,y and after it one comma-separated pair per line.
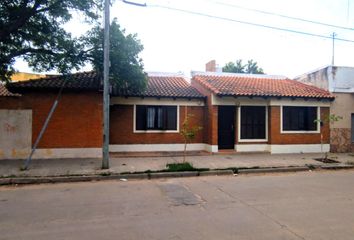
x,y
105,148
333,38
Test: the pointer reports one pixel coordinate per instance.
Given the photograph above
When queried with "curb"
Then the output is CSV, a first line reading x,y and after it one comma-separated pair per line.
x,y
142,176
272,170
337,167
216,173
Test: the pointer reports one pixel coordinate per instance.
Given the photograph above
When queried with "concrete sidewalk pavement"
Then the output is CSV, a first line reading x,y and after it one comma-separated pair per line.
x,y
70,167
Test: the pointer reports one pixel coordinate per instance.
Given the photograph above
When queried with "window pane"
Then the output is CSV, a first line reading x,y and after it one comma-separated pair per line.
x,y
171,117
140,117
299,118
253,122
150,118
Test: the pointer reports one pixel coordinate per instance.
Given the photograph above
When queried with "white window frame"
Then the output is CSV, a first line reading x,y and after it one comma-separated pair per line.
x,y
155,131
239,123
301,131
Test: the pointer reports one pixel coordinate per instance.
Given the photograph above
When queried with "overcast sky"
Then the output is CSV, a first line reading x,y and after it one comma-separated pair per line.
x,y
177,41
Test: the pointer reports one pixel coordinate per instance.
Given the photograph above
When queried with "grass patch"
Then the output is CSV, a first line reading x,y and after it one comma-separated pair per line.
x,y
180,167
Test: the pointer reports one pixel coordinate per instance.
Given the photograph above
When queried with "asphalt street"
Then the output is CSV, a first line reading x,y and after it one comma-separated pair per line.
x,y
304,205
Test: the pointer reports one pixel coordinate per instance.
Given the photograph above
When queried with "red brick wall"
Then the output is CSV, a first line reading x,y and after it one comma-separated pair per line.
x,y
76,123
121,127
275,137
211,116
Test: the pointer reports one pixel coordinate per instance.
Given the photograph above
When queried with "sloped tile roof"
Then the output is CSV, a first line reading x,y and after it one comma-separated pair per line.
x,y
159,85
166,85
258,85
76,81
6,93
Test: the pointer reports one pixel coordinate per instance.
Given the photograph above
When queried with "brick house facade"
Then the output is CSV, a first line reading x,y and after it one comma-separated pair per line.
x,y
239,112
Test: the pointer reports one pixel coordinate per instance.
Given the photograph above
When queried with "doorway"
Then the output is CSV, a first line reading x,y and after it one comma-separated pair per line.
x,y
226,127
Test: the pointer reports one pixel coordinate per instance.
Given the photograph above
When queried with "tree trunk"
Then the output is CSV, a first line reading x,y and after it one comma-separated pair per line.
x,y
185,151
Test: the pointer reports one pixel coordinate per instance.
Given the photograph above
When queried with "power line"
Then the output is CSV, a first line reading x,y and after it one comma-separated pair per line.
x,y
249,23
283,16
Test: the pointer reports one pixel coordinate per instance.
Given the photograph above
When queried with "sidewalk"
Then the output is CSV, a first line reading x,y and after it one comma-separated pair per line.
x,y
72,167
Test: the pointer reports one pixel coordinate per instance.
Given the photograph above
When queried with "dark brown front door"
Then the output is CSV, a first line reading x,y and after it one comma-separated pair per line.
x,y
226,127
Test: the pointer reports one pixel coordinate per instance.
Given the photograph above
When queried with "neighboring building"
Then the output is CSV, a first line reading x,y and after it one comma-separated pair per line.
x,y
23,76
339,81
240,112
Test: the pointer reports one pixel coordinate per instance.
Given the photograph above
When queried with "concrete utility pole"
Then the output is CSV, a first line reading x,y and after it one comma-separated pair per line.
x,y
333,38
105,149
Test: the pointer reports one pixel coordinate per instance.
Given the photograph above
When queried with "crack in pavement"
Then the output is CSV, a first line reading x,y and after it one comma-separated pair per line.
x,y
257,210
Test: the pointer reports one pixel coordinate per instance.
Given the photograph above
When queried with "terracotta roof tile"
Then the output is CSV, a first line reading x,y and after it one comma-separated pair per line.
x,y
76,81
6,93
258,85
159,85
166,85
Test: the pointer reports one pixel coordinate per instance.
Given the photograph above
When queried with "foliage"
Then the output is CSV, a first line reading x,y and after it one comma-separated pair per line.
x,y
188,132
238,67
180,167
32,30
126,70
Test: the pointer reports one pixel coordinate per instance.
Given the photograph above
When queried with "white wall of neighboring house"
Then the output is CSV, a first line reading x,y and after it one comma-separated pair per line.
x,y
339,81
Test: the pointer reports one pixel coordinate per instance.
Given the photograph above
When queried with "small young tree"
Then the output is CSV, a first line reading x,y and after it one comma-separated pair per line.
x,y
331,119
188,132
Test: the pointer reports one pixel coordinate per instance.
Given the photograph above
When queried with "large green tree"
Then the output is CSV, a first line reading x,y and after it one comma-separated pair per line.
x,y
126,68
33,30
238,67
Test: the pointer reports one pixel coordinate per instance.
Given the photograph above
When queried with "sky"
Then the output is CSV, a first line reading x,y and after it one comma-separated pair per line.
x,y
176,41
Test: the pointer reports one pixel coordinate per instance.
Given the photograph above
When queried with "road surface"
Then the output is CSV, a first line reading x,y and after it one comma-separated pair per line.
x,y
307,205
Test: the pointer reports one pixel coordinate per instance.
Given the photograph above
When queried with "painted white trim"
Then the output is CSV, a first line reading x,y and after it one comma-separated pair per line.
x,y
212,148
252,147
291,132
298,148
45,153
239,125
156,101
299,103
231,101
154,131
157,147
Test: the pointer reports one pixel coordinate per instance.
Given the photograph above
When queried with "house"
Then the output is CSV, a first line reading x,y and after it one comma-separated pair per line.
x,y
254,112
339,81
244,113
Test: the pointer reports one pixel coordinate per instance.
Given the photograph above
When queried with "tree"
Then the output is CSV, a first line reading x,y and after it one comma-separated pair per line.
x,y
188,133
126,70
32,30
251,67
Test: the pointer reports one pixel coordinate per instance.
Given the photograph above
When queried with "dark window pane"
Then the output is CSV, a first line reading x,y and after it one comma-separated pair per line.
x,y
171,117
299,118
352,127
140,117
253,122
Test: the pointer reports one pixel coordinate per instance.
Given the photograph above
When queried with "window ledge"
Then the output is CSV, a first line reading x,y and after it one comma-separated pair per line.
x,y
156,131
301,132
252,140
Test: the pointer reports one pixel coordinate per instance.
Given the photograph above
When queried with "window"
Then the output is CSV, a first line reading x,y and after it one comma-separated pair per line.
x,y
156,117
253,122
299,118
352,127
